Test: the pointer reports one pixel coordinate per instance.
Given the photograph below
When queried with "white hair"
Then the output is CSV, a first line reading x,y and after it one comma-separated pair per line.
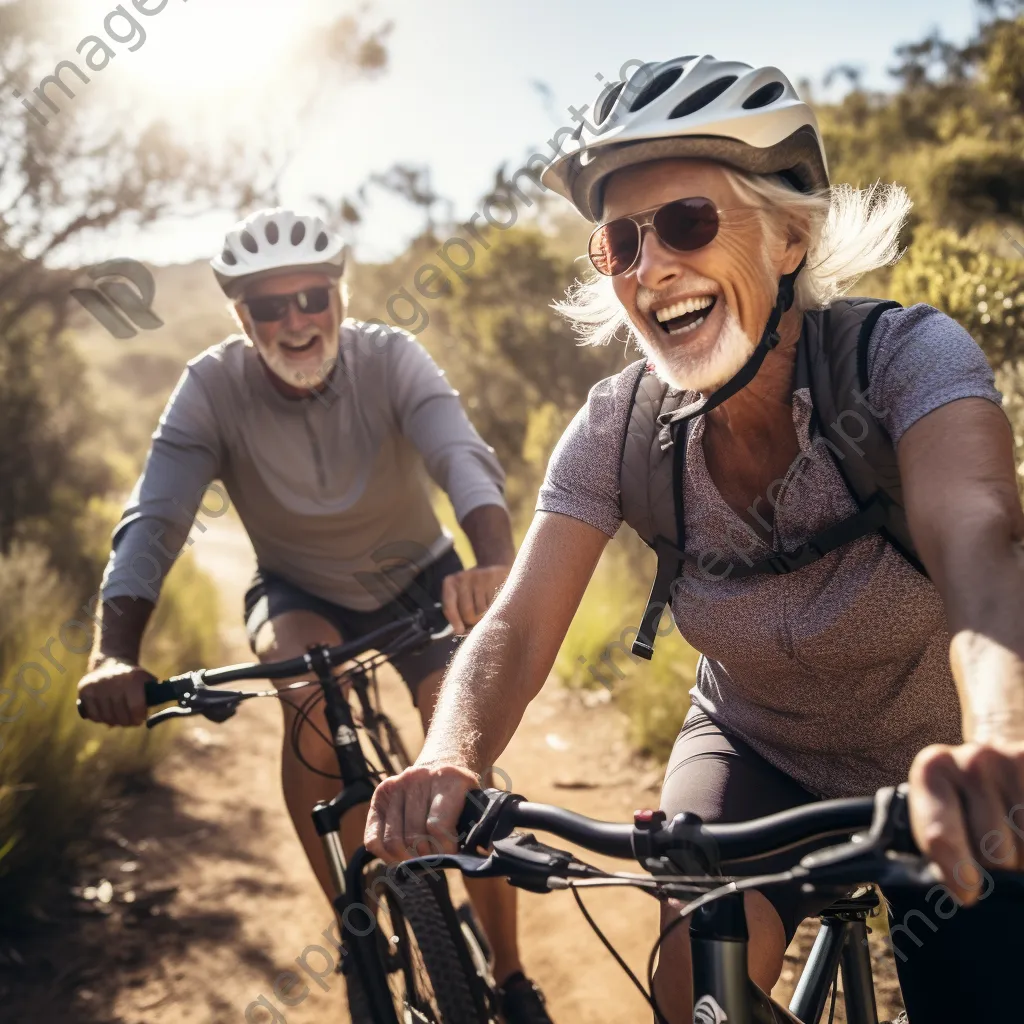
x,y
849,232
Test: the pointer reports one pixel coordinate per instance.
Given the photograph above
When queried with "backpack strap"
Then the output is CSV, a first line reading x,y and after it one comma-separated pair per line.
x,y
833,363
645,473
650,464
837,365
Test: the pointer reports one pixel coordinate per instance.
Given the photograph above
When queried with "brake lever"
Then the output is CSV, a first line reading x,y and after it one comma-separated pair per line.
x,y
216,705
167,714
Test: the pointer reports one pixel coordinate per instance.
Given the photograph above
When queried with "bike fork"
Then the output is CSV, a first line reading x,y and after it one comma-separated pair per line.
x,y
355,775
842,942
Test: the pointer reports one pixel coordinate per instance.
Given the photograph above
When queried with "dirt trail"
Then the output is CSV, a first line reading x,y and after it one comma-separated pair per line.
x,y
222,900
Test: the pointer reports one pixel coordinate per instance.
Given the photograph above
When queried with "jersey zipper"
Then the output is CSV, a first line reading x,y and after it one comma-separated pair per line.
x,y
317,457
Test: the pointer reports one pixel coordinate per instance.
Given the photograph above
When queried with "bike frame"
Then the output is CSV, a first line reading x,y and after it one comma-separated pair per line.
x,y
357,788
723,991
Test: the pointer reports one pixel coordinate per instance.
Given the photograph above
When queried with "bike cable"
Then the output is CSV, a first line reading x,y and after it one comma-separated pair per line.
x,y
832,1008
615,953
753,882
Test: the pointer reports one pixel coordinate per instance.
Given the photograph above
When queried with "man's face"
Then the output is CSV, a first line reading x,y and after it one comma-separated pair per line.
x,y
302,347
699,314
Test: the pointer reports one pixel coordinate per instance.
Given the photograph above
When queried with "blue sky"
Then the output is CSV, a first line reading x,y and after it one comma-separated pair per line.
x,y
460,94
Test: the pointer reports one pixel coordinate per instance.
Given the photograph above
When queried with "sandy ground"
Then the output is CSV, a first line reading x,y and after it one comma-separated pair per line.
x,y
212,900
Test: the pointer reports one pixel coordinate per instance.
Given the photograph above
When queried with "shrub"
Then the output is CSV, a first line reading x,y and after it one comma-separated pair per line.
x,y
55,768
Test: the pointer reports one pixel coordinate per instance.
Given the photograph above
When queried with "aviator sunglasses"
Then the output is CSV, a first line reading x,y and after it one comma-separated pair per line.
x,y
683,225
266,309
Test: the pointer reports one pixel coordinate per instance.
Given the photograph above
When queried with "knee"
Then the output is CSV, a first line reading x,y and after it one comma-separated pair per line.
x,y
765,950
290,635
767,940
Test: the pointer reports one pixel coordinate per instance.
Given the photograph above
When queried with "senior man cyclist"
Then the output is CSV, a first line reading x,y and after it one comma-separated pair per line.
x,y
320,428
709,182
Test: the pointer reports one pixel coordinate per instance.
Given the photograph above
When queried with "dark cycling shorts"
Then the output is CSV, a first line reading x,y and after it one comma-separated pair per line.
x,y
954,964
720,778
269,595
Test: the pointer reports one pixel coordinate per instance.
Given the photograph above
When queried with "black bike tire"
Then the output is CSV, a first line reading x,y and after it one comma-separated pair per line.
x,y
425,904
360,1009
458,989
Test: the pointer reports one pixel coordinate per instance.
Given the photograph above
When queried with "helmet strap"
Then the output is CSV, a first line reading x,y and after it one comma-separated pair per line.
x,y
748,371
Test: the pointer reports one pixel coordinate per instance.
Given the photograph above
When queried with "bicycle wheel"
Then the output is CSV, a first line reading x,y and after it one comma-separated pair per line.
x,y
360,1010
422,951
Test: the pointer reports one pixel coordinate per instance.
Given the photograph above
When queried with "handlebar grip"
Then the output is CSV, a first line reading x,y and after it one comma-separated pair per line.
x,y
156,694
159,693
473,810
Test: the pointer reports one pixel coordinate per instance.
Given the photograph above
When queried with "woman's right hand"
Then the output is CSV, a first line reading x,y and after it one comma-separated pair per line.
x,y
114,692
416,813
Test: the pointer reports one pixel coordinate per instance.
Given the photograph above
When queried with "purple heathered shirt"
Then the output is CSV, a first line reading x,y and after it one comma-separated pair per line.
x,y
837,674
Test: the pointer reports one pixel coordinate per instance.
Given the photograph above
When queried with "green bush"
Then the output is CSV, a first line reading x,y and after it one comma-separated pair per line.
x,y
654,695
979,289
55,768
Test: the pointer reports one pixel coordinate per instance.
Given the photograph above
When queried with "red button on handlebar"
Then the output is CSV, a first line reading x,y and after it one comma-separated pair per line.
x,y
648,819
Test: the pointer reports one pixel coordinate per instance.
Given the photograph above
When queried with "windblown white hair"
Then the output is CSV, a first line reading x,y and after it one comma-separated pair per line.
x,y
849,233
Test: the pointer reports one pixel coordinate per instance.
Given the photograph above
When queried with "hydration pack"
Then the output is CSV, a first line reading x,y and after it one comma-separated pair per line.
x,y
832,361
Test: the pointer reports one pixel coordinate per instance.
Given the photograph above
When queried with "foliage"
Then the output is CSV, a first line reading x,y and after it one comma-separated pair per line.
x,y
56,769
953,135
596,651
90,169
511,356
48,459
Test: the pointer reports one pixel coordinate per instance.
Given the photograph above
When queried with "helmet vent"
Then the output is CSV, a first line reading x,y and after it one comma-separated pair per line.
x,y
702,97
764,96
272,233
249,242
228,257
655,88
321,242
606,102
298,232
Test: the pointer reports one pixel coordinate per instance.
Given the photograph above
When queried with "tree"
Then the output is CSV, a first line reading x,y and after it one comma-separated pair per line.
x,y
80,174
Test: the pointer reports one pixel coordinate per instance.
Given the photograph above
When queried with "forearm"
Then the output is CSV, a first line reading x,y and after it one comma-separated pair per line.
x,y
122,622
483,699
489,530
985,610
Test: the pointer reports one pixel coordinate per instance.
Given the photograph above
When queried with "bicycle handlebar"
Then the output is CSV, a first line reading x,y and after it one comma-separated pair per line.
x,y
732,842
650,834
421,625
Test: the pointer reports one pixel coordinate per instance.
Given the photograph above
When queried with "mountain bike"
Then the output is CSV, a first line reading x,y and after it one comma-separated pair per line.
x,y
709,867
387,971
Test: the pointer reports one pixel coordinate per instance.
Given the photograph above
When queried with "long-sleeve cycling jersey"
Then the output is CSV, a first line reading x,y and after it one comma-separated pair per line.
x,y
331,487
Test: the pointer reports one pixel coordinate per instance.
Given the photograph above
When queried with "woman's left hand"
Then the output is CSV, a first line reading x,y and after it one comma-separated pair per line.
x,y
967,811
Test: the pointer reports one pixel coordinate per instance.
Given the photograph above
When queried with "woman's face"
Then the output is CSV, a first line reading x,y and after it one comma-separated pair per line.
x,y
699,314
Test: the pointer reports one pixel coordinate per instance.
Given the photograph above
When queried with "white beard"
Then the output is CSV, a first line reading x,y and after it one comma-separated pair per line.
x,y
676,363
310,372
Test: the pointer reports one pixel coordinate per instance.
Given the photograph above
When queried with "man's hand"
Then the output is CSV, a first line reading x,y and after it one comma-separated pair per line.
x,y
114,692
967,811
416,813
466,595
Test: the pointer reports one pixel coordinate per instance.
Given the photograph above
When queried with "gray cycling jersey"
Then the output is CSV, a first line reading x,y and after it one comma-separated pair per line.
x,y
331,488
837,674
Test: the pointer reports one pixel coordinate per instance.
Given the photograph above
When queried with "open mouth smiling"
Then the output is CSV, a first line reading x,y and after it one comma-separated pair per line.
x,y
297,348
685,315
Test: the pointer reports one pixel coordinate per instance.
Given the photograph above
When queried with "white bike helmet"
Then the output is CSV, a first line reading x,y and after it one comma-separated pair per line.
x,y
269,241
699,107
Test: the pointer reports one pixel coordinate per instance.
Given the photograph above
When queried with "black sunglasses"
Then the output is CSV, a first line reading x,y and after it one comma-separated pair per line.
x,y
265,309
683,225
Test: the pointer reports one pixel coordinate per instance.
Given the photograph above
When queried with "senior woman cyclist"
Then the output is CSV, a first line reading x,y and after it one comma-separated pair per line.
x,y
853,672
